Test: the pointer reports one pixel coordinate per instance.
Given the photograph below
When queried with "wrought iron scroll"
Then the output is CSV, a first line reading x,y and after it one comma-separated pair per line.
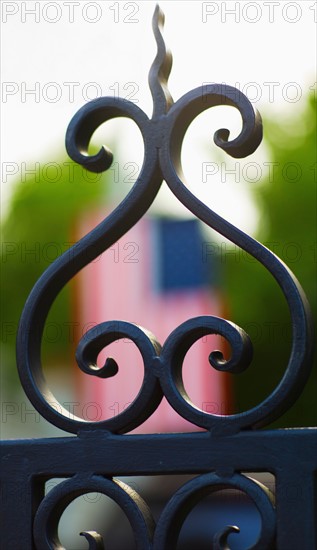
x,y
228,447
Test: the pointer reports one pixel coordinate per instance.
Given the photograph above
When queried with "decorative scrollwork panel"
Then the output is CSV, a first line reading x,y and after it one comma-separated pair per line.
x,y
230,444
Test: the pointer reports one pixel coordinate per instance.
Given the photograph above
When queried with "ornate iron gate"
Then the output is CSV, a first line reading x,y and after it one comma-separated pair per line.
x,y
230,444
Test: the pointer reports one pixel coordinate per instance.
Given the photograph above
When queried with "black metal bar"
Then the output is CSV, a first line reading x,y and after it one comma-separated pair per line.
x,y
296,502
17,502
155,454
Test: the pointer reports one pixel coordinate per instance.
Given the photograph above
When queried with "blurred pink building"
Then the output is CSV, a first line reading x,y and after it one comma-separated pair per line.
x,y
158,275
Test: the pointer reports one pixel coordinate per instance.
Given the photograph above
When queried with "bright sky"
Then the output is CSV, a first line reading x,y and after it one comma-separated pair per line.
x,y
58,55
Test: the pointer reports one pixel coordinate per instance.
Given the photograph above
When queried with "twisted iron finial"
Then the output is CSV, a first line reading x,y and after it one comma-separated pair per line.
x,y
161,68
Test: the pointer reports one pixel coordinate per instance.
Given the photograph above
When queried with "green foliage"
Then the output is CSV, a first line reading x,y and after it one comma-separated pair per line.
x,y
287,201
37,229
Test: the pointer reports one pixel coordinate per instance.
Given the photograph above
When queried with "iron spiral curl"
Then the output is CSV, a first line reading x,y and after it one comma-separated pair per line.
x,y
55,503
189,495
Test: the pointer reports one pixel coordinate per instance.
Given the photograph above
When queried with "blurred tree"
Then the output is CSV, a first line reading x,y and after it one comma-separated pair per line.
x,y
36,230
287,204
